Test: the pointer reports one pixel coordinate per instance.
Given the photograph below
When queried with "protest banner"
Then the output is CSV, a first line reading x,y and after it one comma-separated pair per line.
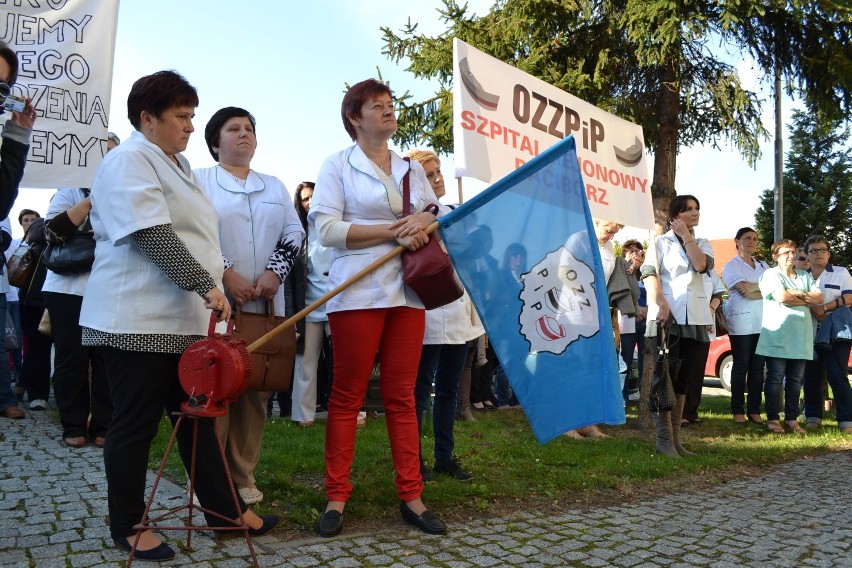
x,y
525,249
503,117
65,49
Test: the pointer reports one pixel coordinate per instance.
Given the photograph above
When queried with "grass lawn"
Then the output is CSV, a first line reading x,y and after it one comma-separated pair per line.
x,y
513,472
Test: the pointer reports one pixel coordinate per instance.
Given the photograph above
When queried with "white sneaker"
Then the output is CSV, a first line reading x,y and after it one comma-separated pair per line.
x,y
38,404
250,495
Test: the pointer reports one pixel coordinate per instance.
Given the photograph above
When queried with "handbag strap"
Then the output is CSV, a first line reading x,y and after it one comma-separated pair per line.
x,y
270,313
406,190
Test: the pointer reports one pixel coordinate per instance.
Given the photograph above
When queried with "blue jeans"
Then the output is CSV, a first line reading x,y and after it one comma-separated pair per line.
x,y
502,389
14,310
628,345
746,374
834,363
443,363
786,375
7,396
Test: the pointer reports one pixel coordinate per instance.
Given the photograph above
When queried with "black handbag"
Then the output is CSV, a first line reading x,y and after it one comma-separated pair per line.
x,y
74,254
666,368
428,270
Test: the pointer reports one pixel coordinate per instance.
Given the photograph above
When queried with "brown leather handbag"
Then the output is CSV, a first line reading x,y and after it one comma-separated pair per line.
x,y
273,361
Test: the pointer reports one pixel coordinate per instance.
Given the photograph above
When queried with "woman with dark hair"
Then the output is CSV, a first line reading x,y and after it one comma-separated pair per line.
x,y
675,275
786,334
744,312
260,236
158,270
831,354
357,210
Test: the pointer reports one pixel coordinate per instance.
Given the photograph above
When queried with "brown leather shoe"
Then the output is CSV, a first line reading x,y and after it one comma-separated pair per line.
x,y
99,441
13,412
75,441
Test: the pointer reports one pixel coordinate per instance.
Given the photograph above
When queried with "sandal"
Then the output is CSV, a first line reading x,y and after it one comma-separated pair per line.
x,y
756,419
774,427
794,427
740,419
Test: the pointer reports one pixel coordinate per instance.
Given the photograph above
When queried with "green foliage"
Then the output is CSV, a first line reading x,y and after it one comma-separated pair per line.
x,y
658,63
817,187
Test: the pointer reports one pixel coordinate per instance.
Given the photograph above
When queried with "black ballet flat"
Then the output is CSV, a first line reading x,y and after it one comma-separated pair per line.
x,y
269,523
158,554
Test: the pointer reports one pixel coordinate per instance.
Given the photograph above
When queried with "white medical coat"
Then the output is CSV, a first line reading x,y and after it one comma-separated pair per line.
x,y
252,220
137,187
349,189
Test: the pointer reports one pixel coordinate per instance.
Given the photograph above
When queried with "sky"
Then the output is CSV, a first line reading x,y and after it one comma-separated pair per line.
x,y
288,64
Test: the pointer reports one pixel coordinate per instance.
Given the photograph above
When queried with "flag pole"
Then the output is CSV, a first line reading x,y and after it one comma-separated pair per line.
x,y
334,292
461,197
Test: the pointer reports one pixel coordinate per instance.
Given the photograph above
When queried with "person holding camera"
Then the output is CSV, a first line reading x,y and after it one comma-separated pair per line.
x,y
13,157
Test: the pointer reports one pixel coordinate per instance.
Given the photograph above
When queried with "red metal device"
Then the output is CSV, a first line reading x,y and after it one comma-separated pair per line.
x,y
214,371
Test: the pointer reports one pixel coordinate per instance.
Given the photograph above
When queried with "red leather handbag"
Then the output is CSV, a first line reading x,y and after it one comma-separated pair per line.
x,y
428,270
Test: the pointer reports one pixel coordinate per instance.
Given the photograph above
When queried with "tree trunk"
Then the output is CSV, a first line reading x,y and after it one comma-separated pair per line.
x,y
665,153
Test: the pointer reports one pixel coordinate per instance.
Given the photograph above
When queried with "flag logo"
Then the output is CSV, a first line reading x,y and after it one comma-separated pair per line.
x,y
559,302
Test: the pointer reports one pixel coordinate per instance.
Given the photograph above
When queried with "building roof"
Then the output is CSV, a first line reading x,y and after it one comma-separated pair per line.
x,y
723,251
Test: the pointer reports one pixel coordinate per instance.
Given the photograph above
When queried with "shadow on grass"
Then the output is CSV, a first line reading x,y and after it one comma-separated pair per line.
x,y
513,472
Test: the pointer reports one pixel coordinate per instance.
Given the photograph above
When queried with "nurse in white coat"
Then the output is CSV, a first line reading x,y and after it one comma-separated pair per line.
x,y
357,210
260,236
674,275
156,275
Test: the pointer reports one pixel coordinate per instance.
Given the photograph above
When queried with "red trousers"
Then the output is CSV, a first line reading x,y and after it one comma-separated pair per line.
x,y
396,334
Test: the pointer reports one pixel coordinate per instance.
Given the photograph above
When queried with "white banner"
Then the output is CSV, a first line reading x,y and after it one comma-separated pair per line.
x,y
503,117
65,49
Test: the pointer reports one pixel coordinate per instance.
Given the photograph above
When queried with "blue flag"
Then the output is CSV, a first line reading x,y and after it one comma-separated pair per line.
x,y
526,251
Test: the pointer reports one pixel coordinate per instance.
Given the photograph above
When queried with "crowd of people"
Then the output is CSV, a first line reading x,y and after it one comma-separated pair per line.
x,y
174,247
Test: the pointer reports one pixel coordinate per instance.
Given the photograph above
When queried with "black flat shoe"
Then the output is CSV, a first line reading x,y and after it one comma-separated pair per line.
x,y
269,523
158,554
427,522
330,523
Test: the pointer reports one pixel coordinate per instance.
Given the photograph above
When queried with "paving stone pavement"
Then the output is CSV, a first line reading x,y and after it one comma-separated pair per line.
x,y
53,509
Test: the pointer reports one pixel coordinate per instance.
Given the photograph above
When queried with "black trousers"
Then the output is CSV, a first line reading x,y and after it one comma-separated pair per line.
x,y
35,373
142,385
76,396
690,380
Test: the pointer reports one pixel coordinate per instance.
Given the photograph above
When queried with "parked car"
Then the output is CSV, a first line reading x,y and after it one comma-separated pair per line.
x,y
720,361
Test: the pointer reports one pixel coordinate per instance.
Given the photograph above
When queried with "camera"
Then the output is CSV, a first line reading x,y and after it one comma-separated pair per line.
x,y
10,101
14,104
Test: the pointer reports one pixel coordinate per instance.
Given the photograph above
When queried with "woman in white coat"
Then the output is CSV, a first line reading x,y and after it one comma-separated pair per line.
x,y
744,312
674,275
157,272
260,236
357,210
448,330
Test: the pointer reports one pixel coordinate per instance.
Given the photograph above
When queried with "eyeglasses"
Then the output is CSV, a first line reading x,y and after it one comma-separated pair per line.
x,y
801,258
818,251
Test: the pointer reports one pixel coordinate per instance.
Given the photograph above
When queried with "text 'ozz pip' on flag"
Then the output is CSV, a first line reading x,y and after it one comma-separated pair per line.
x,y
526,251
